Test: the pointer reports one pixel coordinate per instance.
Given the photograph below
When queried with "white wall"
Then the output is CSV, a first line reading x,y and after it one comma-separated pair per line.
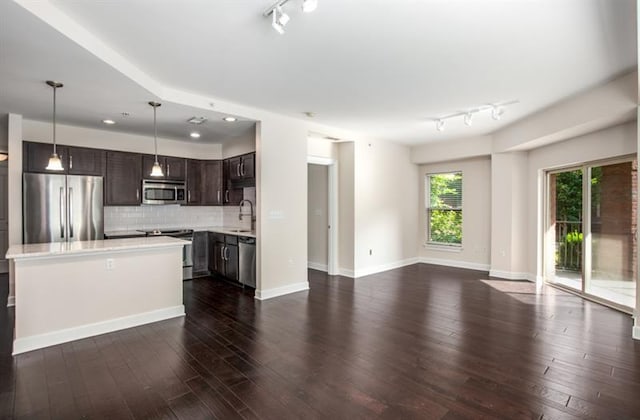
x,y
39,131
603,106
386,207
508,215
346,208
281,187
323,148
317,216
476,215
239,145
452,150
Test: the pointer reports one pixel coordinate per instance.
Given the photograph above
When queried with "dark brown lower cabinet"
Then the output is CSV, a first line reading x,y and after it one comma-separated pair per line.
x,y
223,255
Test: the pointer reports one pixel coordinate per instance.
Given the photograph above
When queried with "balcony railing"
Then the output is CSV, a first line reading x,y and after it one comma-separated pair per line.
x,y
568,245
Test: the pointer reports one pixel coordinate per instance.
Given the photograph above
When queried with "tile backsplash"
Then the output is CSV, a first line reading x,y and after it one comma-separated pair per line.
x,y
148,217
119,218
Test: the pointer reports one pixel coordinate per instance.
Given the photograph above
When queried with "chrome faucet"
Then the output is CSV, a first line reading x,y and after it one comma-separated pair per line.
x,y
252,215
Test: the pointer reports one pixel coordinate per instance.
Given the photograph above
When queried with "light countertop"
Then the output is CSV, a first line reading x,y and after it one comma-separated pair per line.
x,y
237,231
227,230
90,247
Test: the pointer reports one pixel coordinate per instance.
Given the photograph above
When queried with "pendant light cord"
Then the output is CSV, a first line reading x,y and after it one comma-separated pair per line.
x,y
54,119
155,134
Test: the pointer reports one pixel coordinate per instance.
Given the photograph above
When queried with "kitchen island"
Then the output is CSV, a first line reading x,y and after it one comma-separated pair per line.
x,y
67,291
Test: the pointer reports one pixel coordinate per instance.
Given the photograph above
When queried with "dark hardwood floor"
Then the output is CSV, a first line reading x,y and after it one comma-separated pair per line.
x,y
418,342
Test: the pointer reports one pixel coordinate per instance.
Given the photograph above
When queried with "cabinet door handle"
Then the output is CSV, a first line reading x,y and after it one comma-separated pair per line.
x,y
242,168
137,194
226,196
218,196
70,212
70,161
238,169
62,212
189,196
226,253
168,169
222,252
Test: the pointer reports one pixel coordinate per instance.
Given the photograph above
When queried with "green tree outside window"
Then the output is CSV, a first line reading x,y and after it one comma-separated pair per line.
x,y
444,208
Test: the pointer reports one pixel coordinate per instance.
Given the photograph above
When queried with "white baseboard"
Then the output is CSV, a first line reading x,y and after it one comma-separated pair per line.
x,y
280,291
512,275
455,263
24,344
385,267
636,332
317,266
345,272
11,301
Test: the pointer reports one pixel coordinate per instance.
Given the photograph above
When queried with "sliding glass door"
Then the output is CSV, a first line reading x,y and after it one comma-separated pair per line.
x,y
591,241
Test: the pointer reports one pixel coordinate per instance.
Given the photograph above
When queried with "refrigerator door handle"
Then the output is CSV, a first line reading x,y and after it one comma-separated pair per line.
x,y
70,212
62,212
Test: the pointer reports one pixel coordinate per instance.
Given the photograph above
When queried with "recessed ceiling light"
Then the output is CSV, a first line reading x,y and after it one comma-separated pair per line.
x,y
196,120
230,119
108,122
194,135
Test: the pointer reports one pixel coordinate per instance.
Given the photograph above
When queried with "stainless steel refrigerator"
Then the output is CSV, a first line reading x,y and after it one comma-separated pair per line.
x,y
62,208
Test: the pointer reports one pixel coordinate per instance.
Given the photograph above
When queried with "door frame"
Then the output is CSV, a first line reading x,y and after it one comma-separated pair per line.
x,y
585,167
332,200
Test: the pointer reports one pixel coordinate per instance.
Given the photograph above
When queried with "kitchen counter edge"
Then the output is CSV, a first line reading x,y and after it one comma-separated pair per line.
x,y
25,251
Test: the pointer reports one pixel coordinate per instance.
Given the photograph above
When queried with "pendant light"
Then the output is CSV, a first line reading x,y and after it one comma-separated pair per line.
x,y
156,171
55,164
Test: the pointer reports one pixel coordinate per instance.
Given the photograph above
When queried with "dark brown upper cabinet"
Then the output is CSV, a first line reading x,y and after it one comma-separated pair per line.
x,y
173,168
124,179
194,182
75,160
241,169
212,191
85,161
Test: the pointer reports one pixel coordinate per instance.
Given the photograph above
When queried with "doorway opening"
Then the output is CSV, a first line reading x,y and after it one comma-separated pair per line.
x,y
591,242
322,211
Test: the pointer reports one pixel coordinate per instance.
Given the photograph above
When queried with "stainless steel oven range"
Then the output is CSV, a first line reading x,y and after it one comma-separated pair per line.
x,y
187,250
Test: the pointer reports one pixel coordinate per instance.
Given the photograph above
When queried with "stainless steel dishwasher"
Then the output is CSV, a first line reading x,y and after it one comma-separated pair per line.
x,y
247,261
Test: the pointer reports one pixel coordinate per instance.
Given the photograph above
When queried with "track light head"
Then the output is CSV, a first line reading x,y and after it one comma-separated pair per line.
x,y
309,6
284,18
468,118
279,19
440,125
497,112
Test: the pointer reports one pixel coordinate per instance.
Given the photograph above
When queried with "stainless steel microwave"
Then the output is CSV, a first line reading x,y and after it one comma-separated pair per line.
x,y
155,191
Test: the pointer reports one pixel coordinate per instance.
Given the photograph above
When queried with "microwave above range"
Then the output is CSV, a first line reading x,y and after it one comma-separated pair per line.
x,y
156,191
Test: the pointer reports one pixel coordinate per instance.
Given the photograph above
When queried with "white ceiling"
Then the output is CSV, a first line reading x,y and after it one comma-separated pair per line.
x,y
381,67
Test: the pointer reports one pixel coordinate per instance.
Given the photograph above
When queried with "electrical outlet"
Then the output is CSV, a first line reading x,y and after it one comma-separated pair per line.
x,y
110,264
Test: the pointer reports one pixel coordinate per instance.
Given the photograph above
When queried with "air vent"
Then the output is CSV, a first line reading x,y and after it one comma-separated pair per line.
x,y
196,120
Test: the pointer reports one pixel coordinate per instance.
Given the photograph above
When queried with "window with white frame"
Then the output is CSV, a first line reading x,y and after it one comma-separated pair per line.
x,y
443,200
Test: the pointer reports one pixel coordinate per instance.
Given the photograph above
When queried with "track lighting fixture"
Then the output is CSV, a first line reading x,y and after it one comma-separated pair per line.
x,y
279,18
497,111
